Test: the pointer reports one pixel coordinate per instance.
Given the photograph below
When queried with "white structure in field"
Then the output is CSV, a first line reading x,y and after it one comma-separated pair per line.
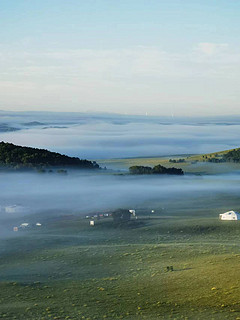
x,y
230,215
133,212
14,209
24,225
92,222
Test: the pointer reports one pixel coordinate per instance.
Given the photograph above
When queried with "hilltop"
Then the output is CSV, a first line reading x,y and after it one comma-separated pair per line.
x,y
18,157
231,155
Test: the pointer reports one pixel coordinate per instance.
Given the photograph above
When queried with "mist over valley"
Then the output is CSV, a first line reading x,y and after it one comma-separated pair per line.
x,y
96,136
57,227
106,136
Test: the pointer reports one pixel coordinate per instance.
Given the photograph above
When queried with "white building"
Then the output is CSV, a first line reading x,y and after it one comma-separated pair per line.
x,y
230,215
14,209
24,225
133,212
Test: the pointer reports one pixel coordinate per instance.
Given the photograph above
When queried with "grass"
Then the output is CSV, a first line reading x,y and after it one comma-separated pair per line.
x,y
193,164
69,270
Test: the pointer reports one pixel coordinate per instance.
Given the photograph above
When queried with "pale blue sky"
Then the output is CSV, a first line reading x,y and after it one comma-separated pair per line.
x,y
135,56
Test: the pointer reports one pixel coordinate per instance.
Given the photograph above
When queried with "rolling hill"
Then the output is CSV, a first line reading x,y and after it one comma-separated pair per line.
x,y
18,157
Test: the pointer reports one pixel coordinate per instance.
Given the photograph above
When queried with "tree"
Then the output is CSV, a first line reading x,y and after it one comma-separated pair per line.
x,y
140,170
158,169
121,215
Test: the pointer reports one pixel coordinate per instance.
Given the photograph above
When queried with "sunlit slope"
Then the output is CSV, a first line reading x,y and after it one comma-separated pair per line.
x,y
75,272
209,155
192,163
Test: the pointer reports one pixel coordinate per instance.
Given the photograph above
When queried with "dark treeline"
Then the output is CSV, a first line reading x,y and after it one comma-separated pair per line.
x,y
232,156
121,215
25,157
177,160
158,169
216,160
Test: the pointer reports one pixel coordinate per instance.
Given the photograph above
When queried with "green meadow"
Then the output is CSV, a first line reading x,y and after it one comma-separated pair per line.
x,y
180,262
69,270
193,164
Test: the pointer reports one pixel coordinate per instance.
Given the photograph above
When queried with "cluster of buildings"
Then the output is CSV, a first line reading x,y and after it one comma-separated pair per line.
x,y
99,216
26,225
105,215
12,209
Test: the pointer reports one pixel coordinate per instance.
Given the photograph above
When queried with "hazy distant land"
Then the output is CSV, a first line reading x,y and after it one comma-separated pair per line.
x,y
173,259
211,163
106,136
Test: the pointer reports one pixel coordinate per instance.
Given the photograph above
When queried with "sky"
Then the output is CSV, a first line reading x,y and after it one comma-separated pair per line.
x,y
155,57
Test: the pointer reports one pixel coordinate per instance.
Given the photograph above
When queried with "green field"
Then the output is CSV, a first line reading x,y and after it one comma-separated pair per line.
x,y
69,270
193,163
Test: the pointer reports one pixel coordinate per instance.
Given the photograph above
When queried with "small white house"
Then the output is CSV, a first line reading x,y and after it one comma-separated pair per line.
x,y
92,223
133,212
24,225
14,209
230,215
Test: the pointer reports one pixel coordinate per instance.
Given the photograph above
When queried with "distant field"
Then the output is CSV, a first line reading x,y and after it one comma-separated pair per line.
x,y
69,270
192,164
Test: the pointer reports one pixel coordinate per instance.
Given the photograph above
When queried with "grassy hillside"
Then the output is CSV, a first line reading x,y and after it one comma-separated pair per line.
x,y
69,270
193,163
14,156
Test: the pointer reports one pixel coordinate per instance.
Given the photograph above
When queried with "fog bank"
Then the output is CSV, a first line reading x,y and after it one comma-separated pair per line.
x,y
102,136
79,193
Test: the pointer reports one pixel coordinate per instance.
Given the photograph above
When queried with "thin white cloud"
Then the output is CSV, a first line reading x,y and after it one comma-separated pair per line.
x,y
210,48
129,80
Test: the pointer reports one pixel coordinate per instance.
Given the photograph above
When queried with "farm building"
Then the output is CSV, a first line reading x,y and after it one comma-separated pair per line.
x,y
230,215
14,209
24,225
133,212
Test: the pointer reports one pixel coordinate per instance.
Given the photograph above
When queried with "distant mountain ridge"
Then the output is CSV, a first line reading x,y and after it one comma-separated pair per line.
x,y
34,123
6,128
15,156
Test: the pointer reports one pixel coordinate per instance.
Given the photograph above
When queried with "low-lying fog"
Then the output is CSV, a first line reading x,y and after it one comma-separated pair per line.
x,y
109,136
43,196
92,136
